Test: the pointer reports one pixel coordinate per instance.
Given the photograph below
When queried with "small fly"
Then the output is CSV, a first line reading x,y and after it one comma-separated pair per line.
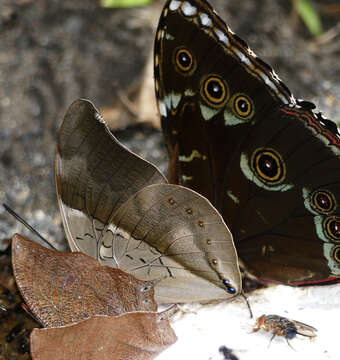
x,y
282,326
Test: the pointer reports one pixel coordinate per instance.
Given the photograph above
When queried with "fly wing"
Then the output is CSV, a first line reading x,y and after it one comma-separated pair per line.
x,y
304,329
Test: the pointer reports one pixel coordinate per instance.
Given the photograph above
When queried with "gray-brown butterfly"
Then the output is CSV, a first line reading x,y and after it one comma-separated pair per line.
x,y
120,209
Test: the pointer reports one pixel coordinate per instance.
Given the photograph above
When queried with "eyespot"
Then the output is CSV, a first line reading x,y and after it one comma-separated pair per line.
x,y
171,201
189,211
184,61
336,253
331,228
242,106
214,91
230,289
200,224
323,201
214,262
268,166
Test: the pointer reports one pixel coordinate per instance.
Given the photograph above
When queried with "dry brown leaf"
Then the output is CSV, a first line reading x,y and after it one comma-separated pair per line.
x,y
62,287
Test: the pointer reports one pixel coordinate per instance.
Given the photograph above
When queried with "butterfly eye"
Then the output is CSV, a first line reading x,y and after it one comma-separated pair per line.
x,y
323,201
214,91
145,288
243,107
268,165
184,61
336,254
331,226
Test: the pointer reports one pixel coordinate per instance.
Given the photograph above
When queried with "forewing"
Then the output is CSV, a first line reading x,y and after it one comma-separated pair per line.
x,y
94,175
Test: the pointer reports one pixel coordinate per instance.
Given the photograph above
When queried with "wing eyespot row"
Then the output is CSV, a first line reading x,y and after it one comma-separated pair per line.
x,y
234,45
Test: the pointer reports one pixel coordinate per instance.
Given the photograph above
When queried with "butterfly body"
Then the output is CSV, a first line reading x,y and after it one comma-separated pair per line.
x,y
236,135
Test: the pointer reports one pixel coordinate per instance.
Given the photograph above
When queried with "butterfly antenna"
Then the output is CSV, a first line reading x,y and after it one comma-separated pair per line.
x,y
248,305
29,227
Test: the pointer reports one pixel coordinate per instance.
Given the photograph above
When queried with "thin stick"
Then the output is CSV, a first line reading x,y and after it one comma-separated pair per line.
x,y
29,227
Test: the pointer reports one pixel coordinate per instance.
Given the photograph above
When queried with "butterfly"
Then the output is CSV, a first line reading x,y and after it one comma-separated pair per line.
x,y
119,209
235,133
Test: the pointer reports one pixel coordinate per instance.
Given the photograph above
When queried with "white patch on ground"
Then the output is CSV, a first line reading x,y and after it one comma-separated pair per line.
x,y
203,329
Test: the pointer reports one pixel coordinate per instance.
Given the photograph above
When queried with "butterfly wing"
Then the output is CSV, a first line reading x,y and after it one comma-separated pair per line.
x,y
204,87
236,135
286,218
172,233
94,175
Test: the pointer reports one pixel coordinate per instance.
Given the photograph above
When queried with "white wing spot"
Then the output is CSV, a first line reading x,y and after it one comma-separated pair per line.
x,y
189,92
188,9
175,99
174,5
233,197
194,154
167,101
162,108
230,119
268,81
242,57
186,178
222,37
208,112
169,36
205,20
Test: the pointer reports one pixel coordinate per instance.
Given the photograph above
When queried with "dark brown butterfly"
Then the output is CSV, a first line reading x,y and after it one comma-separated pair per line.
x,y
118,208
236,135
